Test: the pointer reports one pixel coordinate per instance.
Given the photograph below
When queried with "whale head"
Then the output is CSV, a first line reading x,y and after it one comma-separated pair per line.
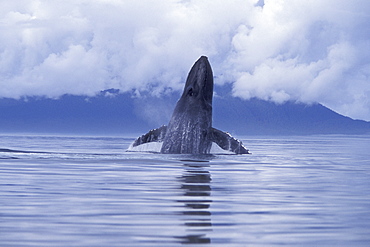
x,y
199,83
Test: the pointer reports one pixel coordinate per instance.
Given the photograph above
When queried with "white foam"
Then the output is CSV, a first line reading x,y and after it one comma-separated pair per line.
x,y
155,147
147,147
216,149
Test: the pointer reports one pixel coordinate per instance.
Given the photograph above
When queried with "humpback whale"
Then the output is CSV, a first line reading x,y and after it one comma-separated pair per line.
x,y
190,129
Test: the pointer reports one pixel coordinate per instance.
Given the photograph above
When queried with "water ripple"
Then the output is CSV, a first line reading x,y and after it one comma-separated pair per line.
x,y
84,191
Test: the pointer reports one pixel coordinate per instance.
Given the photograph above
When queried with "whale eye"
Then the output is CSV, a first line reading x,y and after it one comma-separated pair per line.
x,y
190,92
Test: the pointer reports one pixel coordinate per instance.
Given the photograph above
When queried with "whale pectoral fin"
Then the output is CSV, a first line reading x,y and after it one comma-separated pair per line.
x,y
227,142
154,135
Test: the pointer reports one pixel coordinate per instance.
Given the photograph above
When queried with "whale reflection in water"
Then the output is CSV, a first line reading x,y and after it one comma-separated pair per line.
x,y
195,184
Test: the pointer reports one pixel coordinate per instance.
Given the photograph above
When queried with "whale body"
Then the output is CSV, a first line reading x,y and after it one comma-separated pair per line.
x,y
190,129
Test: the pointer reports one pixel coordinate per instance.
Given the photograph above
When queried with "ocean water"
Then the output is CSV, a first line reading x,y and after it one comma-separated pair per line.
x,y
87,191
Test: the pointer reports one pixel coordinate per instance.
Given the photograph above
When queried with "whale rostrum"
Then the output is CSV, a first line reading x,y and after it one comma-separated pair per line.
x,y
190,129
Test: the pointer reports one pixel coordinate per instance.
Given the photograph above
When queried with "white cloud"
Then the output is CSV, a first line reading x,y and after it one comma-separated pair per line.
x,y
309,51
304,51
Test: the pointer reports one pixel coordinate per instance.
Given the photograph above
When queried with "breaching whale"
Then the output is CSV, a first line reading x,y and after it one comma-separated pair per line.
x,y
190,129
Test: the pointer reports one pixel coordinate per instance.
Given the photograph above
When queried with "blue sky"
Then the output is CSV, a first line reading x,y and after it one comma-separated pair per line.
x,y
278,50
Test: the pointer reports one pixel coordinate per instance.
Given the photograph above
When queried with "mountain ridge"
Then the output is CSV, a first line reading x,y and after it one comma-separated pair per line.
x,y
124,114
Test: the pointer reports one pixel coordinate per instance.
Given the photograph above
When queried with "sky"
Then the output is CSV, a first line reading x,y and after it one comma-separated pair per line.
x,y
279,50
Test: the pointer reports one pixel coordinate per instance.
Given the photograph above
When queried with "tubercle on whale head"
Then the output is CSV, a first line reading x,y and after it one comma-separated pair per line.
x,y
199,83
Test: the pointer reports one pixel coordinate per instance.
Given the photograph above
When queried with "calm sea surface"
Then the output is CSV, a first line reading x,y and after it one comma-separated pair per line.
x,y
87,191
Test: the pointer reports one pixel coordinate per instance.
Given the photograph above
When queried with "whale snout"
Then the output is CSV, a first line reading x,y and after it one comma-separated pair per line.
x,y
199,83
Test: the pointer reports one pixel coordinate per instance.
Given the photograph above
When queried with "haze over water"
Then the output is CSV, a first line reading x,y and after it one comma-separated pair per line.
x,y
86,191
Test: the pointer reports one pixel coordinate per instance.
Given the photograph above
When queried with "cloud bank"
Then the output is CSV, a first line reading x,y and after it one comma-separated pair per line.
x,y
278,50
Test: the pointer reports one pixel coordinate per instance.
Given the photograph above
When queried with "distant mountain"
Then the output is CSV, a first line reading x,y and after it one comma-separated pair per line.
x,y
71,114
259,117
113,113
